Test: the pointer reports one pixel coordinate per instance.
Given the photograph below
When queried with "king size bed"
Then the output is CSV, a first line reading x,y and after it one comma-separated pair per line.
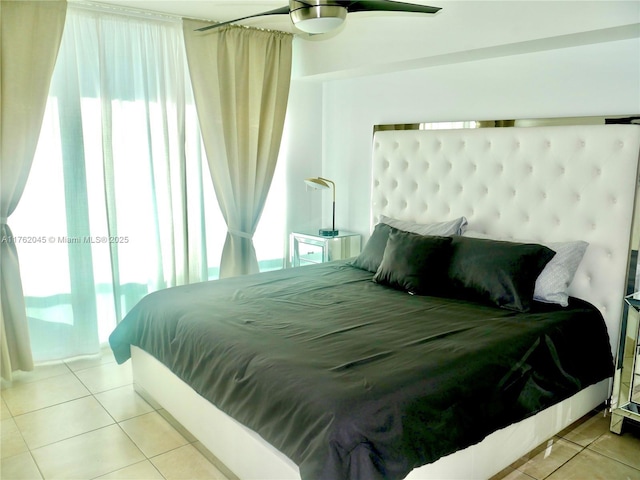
x,y
479,320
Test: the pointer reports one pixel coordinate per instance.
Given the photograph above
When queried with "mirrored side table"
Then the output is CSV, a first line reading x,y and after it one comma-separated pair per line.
x,y
308,248
625,401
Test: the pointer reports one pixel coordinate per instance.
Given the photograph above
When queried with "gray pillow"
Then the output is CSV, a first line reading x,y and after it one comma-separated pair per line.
x,y
553,283
451,227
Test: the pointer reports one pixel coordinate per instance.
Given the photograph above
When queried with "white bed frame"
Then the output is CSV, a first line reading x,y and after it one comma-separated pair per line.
x,y
531,183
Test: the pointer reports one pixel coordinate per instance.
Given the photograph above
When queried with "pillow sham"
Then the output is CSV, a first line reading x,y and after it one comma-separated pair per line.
x,y
552,284
443,229
415,263
498,272
371,255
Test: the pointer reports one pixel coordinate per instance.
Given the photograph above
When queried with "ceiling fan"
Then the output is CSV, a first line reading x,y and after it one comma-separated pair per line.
x,y
322,16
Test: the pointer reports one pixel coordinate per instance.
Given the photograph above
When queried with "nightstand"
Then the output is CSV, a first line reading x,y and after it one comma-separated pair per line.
x,y
625,402
309,248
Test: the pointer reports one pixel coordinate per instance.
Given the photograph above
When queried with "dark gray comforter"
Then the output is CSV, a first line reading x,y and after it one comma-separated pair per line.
x,y
353,380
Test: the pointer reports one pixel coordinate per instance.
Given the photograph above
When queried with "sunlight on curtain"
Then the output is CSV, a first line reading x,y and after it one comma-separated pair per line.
x,y
241,81
120,201
27,62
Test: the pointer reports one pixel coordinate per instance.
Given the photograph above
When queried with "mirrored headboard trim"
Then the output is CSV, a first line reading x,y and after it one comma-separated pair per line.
x,y
524,122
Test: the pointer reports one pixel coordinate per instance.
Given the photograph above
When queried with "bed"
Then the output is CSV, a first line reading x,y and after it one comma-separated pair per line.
x,y
416,358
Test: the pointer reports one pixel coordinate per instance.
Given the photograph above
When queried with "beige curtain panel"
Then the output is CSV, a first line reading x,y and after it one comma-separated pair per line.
x,y
31,33
241,80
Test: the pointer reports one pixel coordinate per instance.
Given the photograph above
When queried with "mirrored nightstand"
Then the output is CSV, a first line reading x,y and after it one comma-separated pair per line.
x,y
308,248
625,402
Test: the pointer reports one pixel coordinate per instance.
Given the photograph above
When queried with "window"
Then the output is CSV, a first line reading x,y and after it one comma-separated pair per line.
x,y
119,201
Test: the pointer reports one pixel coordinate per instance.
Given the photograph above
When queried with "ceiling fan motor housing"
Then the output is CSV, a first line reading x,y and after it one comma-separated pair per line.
x,y
322,16
317,16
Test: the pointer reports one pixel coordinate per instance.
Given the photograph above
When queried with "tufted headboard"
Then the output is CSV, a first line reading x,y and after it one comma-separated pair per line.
x,y
556,183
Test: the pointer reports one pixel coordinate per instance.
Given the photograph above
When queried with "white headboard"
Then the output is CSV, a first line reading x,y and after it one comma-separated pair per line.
x,y
555,183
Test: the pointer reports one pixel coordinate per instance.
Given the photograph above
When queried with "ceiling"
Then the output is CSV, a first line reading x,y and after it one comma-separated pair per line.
x,y
224,10
464,30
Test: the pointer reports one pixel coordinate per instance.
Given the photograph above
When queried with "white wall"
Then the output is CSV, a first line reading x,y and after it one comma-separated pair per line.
x,y
549,84
593,69
302,151
371,42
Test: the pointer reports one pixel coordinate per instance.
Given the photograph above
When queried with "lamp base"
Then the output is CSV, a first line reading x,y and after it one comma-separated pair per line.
x,y
327,232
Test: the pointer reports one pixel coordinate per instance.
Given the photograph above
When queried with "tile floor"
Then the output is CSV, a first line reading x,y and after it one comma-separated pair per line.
x,y
586,450
83,420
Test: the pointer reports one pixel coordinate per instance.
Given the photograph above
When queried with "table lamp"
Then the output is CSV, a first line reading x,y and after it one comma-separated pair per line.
x,y
319,183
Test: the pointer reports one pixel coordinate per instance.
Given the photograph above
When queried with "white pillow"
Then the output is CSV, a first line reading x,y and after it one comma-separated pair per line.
x,y
443,229
554,280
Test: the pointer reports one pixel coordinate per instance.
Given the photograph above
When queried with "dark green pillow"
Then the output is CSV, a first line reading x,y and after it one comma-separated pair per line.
x,y
498,272
415,263
371,255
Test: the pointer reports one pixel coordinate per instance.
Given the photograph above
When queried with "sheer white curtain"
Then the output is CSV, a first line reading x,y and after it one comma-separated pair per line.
x,y
241,82
107,210
27,59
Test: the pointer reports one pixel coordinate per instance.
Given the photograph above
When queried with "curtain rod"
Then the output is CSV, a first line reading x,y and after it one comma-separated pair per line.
x,y
120,10
151,15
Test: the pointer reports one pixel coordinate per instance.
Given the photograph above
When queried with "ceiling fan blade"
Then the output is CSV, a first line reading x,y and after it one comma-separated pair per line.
x,y
387,6
277,11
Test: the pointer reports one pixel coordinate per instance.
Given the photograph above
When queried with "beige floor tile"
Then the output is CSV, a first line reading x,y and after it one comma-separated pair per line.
x,y
89,455
153,434
40,372
529,455
66,420
213,460
106,377
624,448
556,452
43,393
511,474
19,467
593,466
4,410
82,363
186,462
51,411
140,471
11,440
123,403
588,431
147,397
177,425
